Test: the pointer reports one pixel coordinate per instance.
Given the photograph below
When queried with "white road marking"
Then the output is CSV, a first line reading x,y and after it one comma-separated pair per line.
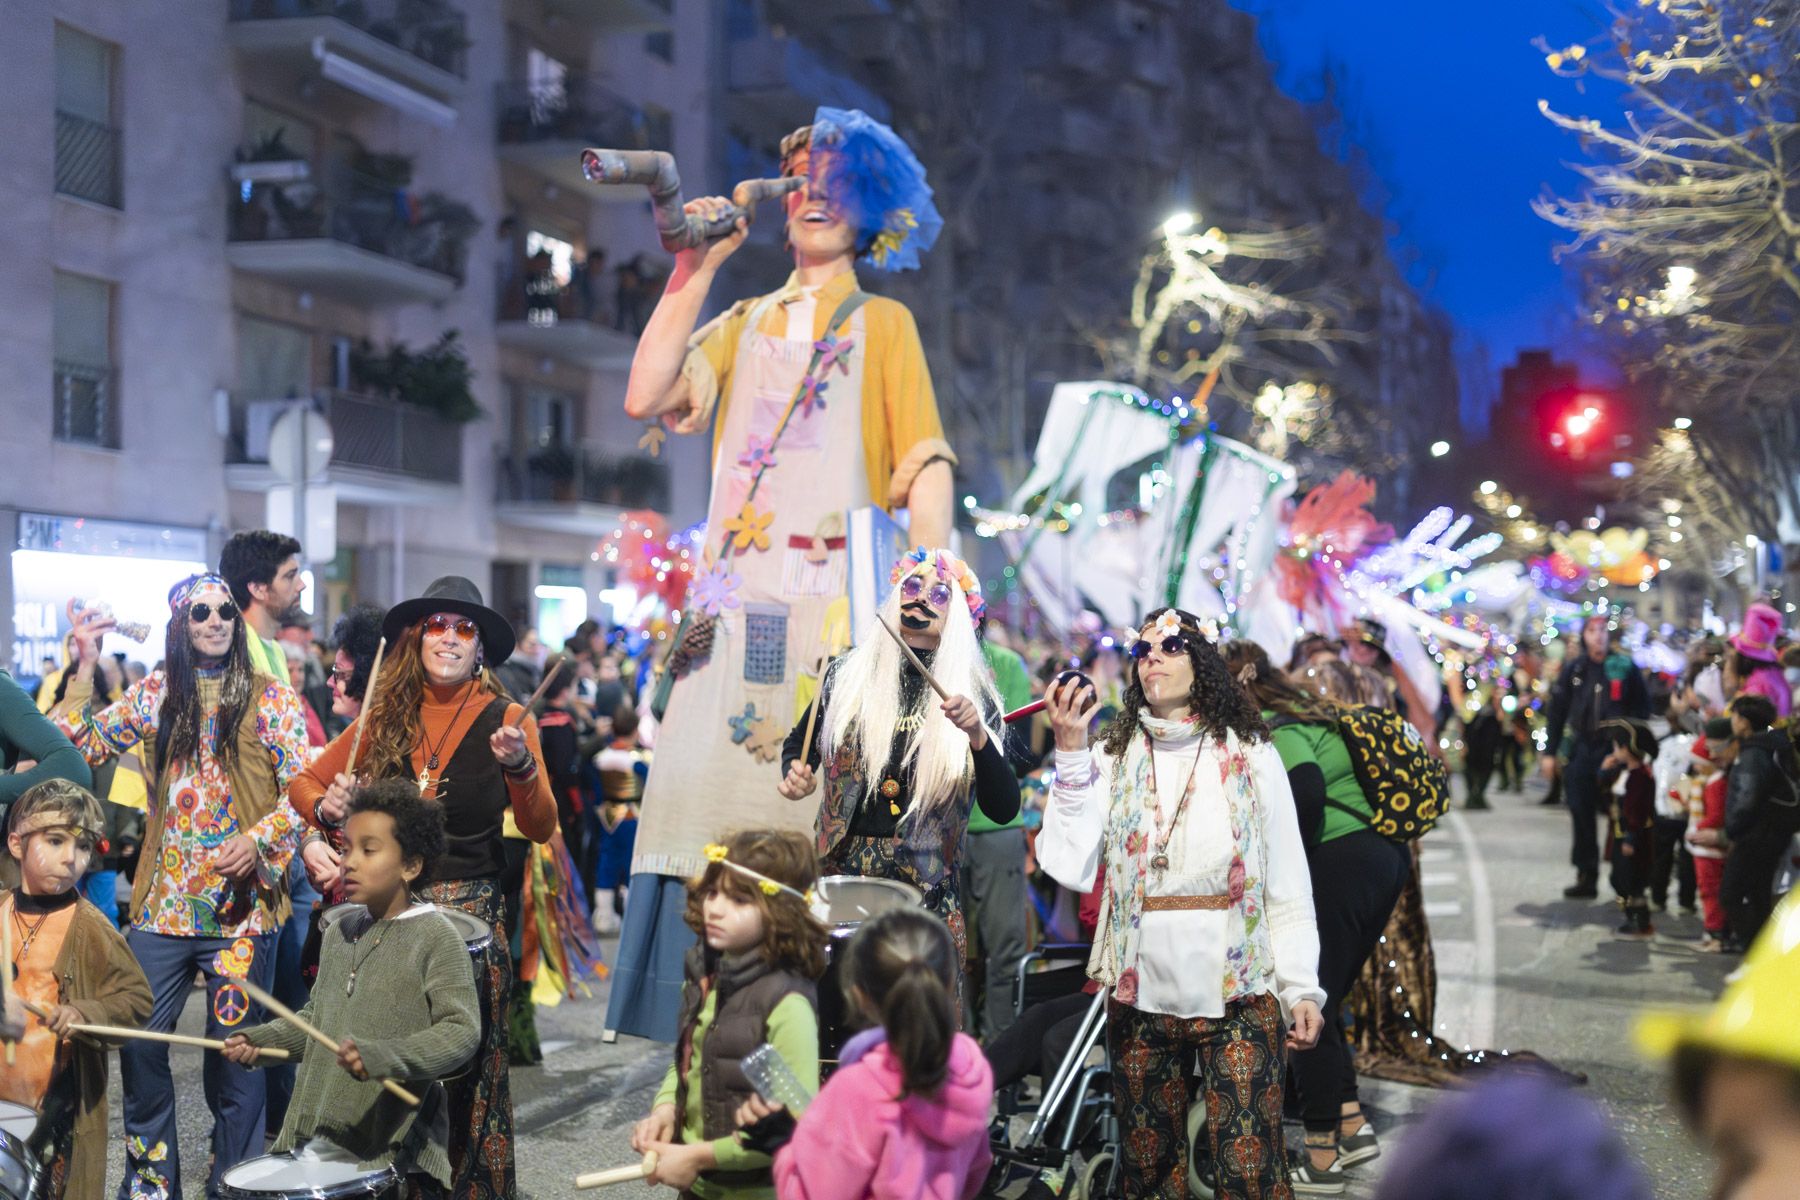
x,y
1443,908
1481,1031
1431,879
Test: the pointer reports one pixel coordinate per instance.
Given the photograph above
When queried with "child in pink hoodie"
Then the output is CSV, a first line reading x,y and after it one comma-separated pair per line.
x,y
905,1116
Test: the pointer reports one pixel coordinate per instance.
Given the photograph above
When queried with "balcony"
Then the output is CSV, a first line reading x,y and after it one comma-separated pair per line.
x,y
383,451
87,160
83,404
576,489
804,12
616,16
408,55
545,317
544,128
780,82
369,241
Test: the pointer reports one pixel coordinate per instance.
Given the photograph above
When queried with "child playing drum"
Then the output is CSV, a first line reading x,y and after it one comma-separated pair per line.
x,y
750,981
70,963
396,987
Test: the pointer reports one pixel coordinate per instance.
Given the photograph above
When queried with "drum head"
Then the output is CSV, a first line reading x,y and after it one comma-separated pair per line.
x,y
286,1176
474,932
17,1119
849,900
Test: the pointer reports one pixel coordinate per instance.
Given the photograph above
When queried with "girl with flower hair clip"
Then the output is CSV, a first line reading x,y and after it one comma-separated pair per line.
x,y
1206,935
750,980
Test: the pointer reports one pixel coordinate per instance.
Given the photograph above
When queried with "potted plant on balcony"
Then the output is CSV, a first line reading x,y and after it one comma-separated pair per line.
x,y
436,379
556,465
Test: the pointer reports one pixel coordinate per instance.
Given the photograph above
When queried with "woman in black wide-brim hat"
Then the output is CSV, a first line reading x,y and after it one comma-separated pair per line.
x,y
440,717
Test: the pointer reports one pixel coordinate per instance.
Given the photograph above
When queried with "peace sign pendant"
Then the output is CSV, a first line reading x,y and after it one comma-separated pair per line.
x,y
1160,862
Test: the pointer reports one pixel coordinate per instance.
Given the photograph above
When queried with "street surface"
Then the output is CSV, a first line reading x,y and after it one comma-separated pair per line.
x,y
1518,967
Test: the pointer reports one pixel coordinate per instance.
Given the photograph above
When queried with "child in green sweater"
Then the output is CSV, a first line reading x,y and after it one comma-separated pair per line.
x,y
396,988
750,981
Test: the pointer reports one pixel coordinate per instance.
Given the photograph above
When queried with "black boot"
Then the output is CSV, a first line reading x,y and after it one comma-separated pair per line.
x,y
1585,887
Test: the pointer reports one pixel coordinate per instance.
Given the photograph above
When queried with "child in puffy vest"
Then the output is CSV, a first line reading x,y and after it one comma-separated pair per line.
x,y
918,1089
750,980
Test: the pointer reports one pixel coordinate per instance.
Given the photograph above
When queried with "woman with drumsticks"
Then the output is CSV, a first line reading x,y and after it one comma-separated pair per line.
x,y
1206,938
904,767
440,717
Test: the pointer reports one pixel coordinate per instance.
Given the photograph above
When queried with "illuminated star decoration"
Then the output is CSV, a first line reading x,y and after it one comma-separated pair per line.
x,y
653,439
832,352
759,454
750,528
715,590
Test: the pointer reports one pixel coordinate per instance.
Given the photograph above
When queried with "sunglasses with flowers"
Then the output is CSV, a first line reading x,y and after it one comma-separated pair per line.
x,y
438,624
937,595
200,612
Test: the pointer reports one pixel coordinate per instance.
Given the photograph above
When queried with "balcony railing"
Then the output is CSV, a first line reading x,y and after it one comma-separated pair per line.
x,y
563,474
429,30
84,404
87,159
576,110
367,432
427,231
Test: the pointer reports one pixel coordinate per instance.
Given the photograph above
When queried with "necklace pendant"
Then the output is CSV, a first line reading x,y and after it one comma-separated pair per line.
x,y
425,781
1160,862
350,985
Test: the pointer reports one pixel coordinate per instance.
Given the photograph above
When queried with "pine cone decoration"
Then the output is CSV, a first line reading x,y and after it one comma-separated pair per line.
x,y
695,646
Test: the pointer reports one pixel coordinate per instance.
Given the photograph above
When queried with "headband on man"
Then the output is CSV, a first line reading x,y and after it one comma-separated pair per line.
x,y
183,593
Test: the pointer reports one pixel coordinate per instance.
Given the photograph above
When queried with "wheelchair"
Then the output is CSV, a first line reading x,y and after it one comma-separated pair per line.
x,y
1073,1124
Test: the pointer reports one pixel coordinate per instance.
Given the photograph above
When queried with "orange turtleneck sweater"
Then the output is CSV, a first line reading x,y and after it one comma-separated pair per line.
x,y
533,803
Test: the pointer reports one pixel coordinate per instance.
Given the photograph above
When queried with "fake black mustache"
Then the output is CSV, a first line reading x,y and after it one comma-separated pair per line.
x,y
916,615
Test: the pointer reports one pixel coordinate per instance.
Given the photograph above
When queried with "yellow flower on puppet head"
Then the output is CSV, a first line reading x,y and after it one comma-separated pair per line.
x,y
750,527
901,223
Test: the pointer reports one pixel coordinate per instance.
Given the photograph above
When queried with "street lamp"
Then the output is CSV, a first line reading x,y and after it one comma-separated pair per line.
x,y
1439,449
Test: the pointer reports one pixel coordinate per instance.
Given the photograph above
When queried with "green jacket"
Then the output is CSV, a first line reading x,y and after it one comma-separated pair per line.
x,y
27,733
1013,681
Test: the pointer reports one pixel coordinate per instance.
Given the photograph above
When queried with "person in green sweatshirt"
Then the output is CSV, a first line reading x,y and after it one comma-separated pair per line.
x,y
396,988
993,871
750,980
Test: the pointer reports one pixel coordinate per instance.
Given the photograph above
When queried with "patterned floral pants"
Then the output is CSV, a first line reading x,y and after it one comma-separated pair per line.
x,y
1241,1076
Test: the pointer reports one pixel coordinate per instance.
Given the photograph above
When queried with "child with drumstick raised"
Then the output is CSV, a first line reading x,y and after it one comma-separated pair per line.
x,y
395,985
69,967
749,981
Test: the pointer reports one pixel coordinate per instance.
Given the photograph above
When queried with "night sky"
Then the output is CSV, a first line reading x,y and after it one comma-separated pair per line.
x,y
1443,97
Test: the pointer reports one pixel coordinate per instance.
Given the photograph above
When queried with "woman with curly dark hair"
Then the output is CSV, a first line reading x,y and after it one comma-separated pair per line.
x,y
1206,935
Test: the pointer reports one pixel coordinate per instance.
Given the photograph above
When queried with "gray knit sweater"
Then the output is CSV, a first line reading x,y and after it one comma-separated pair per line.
x,y
414,1017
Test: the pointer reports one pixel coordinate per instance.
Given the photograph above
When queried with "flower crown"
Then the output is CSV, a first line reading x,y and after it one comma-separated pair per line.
x,y
717,854
1170,624
949,569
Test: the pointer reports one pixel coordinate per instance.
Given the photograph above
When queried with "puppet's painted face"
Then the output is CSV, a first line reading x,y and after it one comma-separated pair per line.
x,y
925,601
815,229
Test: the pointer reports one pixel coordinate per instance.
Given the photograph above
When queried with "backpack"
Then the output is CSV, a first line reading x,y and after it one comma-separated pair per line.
x,y
1406,787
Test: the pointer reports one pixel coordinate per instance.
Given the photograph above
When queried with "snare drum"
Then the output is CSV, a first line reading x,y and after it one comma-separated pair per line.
x,y
476,934
17,1124
845,902
288,1177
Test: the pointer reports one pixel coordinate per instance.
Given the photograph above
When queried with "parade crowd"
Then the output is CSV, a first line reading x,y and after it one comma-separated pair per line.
x,y
832,861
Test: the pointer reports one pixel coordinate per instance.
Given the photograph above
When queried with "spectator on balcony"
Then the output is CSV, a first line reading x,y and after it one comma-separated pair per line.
x,y
791,384
588,287
639,279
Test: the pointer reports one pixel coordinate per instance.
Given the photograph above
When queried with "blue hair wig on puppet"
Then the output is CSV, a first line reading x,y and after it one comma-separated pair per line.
x,y
878,185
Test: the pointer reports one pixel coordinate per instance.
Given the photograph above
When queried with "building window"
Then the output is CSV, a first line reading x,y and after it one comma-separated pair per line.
x,y
549,418
270,135
87,138
659,128
84,397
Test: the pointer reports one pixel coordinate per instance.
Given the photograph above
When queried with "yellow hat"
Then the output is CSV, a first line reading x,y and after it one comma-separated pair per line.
x,y
1755,1016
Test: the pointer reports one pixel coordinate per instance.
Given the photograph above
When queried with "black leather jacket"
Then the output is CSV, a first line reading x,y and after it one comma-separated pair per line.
x,y
1763,793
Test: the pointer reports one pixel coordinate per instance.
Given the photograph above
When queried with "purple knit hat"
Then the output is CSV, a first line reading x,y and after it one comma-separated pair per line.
x,y
1515,1137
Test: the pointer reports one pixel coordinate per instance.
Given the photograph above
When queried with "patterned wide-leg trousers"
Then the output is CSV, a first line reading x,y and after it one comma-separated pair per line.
x,y
1240,1057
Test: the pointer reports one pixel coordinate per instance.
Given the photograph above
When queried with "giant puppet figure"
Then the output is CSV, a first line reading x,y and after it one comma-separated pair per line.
x,y
820,403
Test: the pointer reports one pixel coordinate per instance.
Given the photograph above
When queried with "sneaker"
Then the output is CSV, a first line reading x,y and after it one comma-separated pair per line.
x,y
1708,945
1308,1180
1358,1147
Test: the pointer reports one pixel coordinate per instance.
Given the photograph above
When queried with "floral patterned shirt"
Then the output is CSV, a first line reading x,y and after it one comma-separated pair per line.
x,y
188,897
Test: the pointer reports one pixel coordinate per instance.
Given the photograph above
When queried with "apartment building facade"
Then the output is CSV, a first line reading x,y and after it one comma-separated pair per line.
x,y
223,211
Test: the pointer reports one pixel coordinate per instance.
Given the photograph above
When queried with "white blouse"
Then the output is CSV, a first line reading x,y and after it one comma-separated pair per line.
x,y
1181,953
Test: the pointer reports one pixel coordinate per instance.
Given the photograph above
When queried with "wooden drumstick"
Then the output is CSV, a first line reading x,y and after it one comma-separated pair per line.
x,y
315,1033
362,717
598,1179
150,1035
549,674
914,658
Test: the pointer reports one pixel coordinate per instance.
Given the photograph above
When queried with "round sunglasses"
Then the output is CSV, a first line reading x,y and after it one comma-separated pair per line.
x,y
439,624
200,612
937,595
1173,646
